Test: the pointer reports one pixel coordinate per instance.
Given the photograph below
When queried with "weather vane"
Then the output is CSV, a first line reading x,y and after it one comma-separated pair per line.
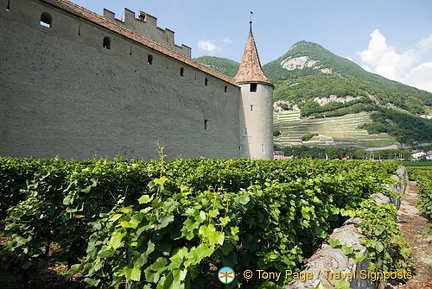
x,y
250,23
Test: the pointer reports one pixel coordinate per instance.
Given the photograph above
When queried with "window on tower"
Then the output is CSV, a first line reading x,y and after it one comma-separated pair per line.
x,y
46,20
253,87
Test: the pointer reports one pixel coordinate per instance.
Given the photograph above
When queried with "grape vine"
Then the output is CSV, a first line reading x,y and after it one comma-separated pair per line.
x,y
160,224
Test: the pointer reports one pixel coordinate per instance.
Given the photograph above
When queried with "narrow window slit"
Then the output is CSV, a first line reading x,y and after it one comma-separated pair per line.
x,y
107,43
46,20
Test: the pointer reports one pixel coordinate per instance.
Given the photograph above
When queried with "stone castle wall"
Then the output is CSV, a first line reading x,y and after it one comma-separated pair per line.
x,y
78,90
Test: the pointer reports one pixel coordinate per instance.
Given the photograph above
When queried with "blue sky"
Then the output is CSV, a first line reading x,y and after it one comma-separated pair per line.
x,y
389,37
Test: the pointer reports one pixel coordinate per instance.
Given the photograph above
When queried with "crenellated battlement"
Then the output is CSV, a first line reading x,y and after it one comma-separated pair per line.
x,y
146,25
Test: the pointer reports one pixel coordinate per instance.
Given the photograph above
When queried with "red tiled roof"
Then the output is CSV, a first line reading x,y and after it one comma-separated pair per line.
x,y
101,21
250,67
283,158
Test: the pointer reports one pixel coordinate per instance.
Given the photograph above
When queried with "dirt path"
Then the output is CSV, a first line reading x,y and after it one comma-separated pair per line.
x,y
413,224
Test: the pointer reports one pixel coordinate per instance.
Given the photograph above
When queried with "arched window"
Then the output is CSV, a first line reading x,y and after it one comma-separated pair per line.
x,y
150,59
107,42
206,81
226,88
182,72
46,20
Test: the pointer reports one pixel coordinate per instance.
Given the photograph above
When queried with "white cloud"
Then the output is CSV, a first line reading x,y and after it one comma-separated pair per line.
x,y
420,76
212,46
425,44
407,67
208,45
384,60
227,41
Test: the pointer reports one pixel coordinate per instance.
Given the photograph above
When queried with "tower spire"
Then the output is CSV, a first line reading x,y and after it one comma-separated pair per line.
x,y
250,67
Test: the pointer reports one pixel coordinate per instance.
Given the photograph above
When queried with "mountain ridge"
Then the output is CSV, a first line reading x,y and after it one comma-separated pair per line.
x,y
226,66
320,84
387,91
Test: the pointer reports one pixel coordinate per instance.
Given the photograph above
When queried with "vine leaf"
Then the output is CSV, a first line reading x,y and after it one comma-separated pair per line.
x,y
334,243
214,237
116,239
144,199
133,273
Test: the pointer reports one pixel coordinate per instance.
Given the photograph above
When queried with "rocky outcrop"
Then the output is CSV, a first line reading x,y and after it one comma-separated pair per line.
x,y
292,63
333,98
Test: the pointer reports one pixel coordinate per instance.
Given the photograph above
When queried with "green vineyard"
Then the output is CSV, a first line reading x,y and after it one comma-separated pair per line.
x,y
157,224
423,176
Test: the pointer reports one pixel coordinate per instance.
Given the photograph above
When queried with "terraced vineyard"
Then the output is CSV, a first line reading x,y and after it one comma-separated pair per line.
x,y
342,130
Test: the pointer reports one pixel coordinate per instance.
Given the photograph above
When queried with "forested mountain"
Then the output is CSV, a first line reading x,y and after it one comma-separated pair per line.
x,y
323,84
223,65
309,71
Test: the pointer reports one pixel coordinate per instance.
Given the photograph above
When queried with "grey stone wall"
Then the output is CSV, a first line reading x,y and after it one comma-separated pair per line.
x,y
327,260
62,93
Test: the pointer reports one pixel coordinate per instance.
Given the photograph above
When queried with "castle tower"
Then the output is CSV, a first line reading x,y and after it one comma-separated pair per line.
x,y
256,106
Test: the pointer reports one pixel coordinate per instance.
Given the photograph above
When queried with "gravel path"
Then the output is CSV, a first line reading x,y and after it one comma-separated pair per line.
x,y
413,225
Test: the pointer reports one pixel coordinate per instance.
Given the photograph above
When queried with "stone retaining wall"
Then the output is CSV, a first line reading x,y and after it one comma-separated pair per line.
x,y
329,264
